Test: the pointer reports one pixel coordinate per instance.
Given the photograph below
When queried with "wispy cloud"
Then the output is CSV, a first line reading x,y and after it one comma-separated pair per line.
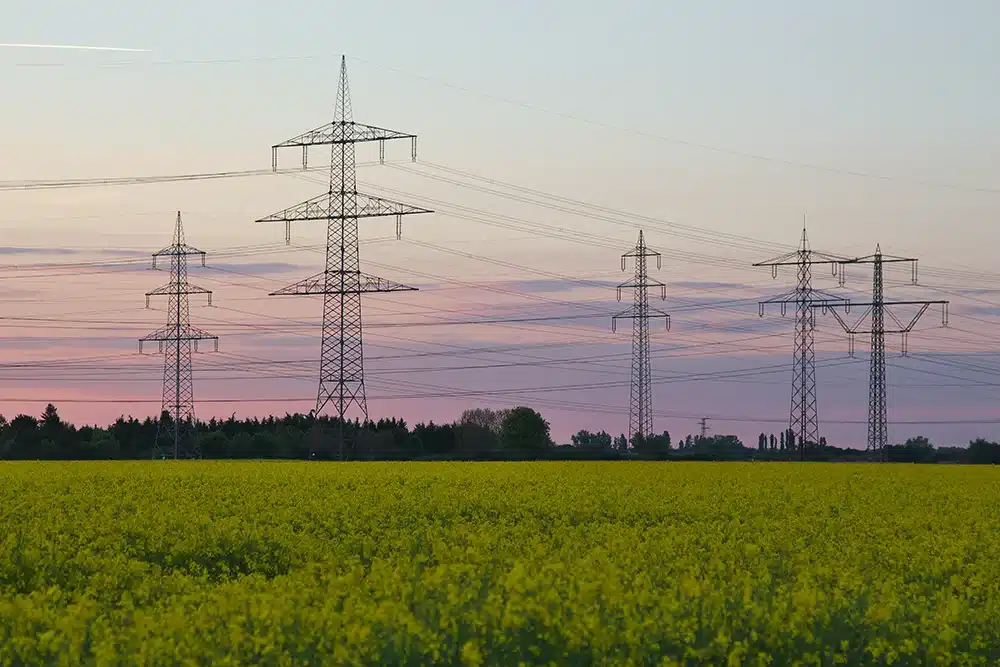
x,y
29,250
544,286
257,268
695,284
991,311
978,291
77,47
11,250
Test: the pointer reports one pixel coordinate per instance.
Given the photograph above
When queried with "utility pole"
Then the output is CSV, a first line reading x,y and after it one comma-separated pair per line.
x,y
640,418
178,438
341,370
804,414
877,309
704,427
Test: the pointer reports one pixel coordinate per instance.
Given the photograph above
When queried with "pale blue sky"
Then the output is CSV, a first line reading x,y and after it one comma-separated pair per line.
x,y
903,89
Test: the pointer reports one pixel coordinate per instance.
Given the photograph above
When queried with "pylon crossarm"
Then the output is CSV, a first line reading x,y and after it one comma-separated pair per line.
x,y
818,295
780,298
354,283
178,250
655,312
375,284
902,327
343,133
650,313
924,305
172,332
885,259
840,319
783,260
916,318
644,252
174,289
816,298
329,206
627,314
795,259
647,283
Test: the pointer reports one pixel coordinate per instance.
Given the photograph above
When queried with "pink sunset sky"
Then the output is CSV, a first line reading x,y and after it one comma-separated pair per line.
x,y
541,167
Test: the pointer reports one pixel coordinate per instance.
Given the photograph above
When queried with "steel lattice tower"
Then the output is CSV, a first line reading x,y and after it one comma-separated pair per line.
x,y
877,310
341,372
178,437
803,418
640,418
878,436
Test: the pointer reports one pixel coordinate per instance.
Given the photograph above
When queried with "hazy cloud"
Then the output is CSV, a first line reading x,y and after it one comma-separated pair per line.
x,y
259,268
12,250
697,284
992,311
549,285
979,291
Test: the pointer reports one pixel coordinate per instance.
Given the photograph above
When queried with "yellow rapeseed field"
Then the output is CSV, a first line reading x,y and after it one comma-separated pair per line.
x,y
626,563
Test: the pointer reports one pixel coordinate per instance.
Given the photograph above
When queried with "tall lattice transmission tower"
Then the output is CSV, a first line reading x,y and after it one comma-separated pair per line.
x,y
176,436
803,418
640,414
875,314
341,369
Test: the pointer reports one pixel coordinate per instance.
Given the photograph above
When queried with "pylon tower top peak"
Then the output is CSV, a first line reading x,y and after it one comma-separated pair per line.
x,y
343,113
179,231
178,245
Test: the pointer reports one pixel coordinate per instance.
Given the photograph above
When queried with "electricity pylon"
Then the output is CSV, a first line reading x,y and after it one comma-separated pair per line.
x,y
703,424
803,418
877,309
640,415
341,370
178,438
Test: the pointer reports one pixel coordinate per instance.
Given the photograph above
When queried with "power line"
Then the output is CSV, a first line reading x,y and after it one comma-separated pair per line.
x,y
759,157
111,181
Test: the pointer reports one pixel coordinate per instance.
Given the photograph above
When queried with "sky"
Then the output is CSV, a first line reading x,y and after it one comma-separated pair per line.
x,y
549,134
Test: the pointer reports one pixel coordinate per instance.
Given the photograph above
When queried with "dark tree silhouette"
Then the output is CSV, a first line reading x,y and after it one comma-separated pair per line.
x,y
481,434
525,432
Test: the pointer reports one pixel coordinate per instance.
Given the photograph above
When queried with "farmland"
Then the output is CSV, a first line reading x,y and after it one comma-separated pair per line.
x,y
498,563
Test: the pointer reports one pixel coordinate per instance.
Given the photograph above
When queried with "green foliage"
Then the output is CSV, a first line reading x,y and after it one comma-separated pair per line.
x,y
296,563
601,440
478,435
525,432
655,446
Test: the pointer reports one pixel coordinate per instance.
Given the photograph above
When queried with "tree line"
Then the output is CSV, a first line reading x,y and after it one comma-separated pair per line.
x,y
479,434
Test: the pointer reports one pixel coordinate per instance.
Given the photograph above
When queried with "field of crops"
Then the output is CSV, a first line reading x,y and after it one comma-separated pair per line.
x,y
197,563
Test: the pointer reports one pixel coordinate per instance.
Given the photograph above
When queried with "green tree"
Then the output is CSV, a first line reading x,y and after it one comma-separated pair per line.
x,y
601,440
982,451
491,420
525,432
473,441
655,446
